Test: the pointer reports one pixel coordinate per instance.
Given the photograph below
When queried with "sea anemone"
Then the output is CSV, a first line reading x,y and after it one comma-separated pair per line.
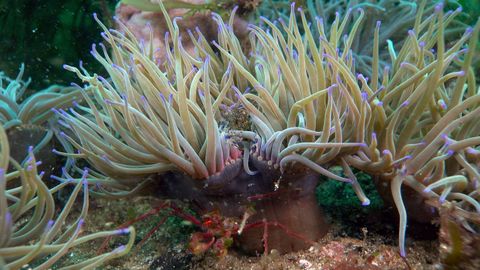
x,y
411,123
403,143
26,118
174,117
397,18
30,230
34,110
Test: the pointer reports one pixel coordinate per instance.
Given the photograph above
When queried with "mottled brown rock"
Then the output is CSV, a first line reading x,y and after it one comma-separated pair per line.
x,y
137,22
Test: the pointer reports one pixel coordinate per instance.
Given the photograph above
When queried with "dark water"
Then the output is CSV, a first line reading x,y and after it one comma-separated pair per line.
x,y
46,34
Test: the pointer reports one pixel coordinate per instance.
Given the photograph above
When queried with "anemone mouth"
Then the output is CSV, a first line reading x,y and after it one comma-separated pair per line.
x,y
223,181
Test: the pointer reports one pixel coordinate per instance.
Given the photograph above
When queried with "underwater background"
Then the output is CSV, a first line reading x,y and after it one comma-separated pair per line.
x,y
44,36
